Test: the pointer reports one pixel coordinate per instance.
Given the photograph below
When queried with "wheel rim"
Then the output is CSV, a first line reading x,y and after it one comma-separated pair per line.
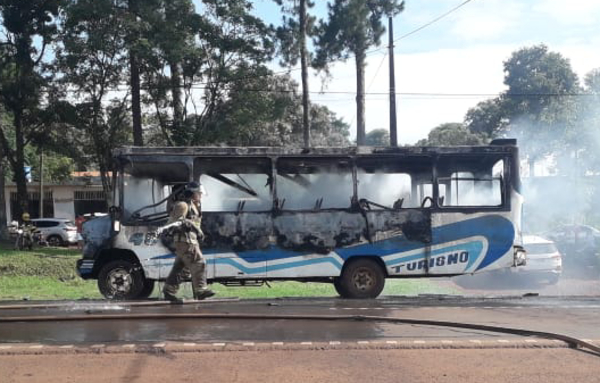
x,y
53,241
119,281
364,279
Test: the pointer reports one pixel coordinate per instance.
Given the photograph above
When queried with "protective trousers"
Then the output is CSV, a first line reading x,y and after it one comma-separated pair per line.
x,y
187,255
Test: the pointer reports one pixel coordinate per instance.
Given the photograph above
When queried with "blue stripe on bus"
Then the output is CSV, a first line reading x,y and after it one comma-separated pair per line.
x,y
253,270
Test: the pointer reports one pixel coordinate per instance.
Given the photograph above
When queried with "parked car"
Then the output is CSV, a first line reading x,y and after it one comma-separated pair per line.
x,y
57,231
544,261
579,246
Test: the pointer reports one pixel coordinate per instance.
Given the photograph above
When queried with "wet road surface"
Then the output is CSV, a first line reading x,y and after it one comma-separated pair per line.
x,y
573,316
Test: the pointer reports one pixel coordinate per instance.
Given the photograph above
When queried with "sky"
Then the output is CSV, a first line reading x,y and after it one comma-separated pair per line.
x,y
460,55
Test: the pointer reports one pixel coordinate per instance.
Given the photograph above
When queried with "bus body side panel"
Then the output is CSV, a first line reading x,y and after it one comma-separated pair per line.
x,y
470,243
155,259
237,243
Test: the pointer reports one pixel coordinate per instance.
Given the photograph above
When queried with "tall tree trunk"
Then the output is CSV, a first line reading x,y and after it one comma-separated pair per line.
x,y
22,198
136,107
360,98
3,217
304,64
177,94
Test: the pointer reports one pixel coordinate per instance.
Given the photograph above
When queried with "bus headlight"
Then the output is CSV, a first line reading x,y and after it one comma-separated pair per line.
x,y
520,256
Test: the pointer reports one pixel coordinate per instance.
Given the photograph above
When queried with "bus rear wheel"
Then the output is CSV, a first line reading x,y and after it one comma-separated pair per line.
x,y
361,279
120,280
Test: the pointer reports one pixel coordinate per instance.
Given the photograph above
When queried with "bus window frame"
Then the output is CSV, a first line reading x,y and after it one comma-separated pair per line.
x,y
277,200
198,171
505,184
426,162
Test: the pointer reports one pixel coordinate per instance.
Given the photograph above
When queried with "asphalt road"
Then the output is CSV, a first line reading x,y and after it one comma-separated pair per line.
x,y
124,346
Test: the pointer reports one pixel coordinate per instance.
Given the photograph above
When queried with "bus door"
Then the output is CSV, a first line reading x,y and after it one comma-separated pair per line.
x,y
237,219
395,197
313,218
472,226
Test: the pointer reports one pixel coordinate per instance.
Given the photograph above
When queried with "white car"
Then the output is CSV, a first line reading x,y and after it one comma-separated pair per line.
x,y
544,262
57,231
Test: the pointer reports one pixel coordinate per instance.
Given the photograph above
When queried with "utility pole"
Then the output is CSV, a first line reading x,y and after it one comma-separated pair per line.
x,y
304,65
41,183
393,123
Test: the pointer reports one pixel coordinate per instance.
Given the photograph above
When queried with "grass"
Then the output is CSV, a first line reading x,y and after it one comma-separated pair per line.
x,y
49,273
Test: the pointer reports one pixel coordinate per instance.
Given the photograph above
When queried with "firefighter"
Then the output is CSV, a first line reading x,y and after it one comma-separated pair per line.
x,y
28,232
187,247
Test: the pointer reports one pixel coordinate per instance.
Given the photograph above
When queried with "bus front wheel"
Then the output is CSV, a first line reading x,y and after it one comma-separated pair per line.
x,y
361,279
120,280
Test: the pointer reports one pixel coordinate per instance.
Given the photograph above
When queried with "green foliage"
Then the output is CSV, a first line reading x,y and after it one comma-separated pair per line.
x,y
487,118
353,26
266,111
452,134
537,103
378,137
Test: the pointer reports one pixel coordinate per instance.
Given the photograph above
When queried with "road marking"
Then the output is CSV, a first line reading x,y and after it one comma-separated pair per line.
x,y
189,344
587,340
248,344
447,341
5,347
475,341
277,343
363,342
530,341
419,342
306,343
219,344
36,346
502,341
334,342
159,345
333,308
391,342
129,345
67,346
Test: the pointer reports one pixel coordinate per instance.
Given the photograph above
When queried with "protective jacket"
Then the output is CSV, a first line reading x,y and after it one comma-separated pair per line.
x,y
191,217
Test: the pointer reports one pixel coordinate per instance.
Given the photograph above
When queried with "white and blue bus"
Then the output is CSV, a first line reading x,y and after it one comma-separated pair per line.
x,y
352,217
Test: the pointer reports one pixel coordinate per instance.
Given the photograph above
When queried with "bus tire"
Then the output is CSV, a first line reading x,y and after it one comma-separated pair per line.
x,y
337,284
362,279
147,289
120,280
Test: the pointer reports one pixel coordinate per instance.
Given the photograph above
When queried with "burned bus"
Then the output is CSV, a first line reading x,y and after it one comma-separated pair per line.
x,y
352,217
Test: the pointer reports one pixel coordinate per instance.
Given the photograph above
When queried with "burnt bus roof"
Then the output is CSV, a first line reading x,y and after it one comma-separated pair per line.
x,y
196,151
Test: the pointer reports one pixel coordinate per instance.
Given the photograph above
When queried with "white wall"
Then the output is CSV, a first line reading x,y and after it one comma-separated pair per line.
x,y
64,206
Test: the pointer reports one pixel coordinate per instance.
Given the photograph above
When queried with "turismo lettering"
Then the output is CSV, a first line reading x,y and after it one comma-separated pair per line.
x,y
442,260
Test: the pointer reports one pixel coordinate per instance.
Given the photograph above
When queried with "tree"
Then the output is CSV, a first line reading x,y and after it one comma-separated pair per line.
x,y
272,117
292,36
352,28
452,134
93,59
539,104
22,78
487,118
378,137
222,46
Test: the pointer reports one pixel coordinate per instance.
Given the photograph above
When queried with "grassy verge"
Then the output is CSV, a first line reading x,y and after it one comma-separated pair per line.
x,y
49,273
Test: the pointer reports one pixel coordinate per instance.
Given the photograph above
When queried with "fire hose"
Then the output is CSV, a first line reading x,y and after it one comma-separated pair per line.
x,y
571,341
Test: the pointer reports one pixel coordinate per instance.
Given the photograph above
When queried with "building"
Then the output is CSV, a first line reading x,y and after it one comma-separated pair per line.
x,y
82,194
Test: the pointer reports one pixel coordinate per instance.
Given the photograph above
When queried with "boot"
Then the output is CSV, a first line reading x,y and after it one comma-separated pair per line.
x,y
173,299
203,294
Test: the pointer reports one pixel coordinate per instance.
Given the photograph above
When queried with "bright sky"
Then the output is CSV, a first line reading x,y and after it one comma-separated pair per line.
x,y
460,54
